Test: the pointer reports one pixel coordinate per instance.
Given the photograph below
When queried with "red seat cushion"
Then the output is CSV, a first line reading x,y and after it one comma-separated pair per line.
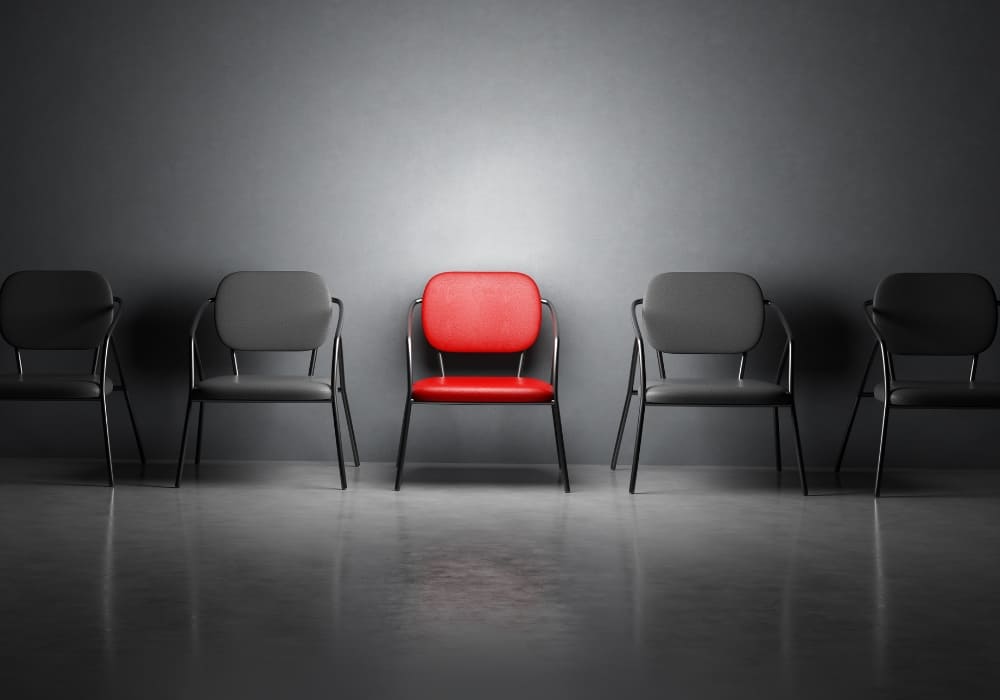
x,y
483,389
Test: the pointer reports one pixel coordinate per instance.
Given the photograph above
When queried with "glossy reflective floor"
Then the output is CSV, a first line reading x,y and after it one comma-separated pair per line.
x,y
264,580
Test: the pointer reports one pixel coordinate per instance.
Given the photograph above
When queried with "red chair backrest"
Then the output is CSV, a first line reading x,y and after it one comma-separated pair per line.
x,y
481,312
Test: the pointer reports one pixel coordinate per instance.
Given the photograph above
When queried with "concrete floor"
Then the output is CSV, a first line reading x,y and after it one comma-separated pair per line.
x,y
264,580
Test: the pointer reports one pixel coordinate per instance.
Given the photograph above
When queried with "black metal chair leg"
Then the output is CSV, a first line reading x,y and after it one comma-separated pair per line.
x,y
197,444
336,437
184,434
107,441
881,447
777,441
798,451
347,413
628,400
621,429
847,435
560,447
401,454
638,443
350,428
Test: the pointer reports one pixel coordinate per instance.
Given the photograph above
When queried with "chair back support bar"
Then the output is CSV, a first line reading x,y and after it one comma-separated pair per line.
x,y
265,310
56,309
935,313
703,312
481,312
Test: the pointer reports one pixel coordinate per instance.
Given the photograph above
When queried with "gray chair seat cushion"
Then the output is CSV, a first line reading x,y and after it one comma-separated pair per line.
x,y
717,392
249,387
942,394
51,386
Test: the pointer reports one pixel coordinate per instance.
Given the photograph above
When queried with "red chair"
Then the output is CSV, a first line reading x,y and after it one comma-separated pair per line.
x,y
479,313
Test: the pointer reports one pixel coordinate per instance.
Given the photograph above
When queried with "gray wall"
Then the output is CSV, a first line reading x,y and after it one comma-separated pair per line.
x,y
816,145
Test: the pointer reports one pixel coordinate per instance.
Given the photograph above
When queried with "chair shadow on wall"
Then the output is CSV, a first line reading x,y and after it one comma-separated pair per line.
x,y
830,336
151,342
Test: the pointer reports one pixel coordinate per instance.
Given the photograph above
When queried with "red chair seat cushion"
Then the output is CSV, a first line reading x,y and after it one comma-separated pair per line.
x,y
483,389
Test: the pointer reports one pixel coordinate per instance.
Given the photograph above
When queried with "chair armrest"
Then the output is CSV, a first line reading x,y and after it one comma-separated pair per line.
x,y
195,363
116,315
340,316
870,318
888,371
787,351
640,346
409,343
781,317
335,355
554,371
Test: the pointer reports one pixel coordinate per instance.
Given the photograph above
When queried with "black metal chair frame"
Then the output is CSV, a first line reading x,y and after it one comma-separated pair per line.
x,y
639,358
888,377
196,374
100,366
553,379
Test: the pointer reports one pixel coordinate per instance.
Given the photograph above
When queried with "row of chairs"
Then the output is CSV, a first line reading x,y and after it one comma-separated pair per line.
x,y
500,313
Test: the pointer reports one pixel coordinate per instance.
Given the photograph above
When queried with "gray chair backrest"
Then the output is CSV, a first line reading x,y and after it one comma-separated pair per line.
x,y
55,309
935,313
703,312
273,310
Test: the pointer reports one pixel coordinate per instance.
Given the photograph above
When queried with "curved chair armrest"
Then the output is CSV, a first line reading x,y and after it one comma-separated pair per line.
x,y
640,345
116,315
781,317
789,340
409,343
335,355
340,316
870,318
554,372
195,364
888,371
102,364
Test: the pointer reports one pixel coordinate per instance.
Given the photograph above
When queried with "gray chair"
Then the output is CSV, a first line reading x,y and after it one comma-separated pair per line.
x,y
64,310
929,314
700,313
270,312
